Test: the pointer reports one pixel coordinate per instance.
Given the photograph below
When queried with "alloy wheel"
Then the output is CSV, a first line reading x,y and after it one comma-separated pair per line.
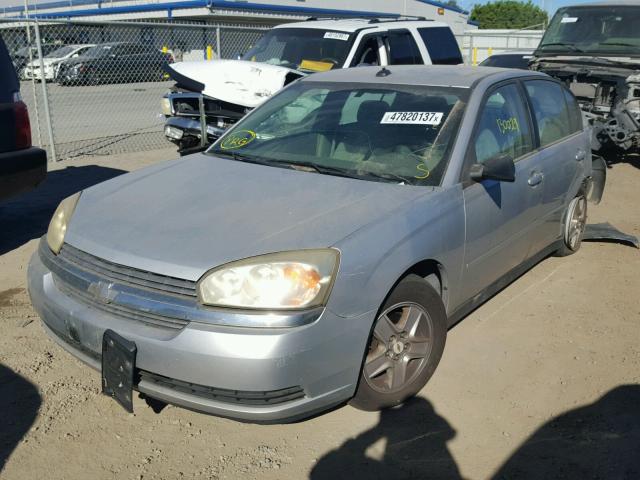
x,y
400,347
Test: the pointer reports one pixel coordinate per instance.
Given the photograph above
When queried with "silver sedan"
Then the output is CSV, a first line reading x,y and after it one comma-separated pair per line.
x,y
321,249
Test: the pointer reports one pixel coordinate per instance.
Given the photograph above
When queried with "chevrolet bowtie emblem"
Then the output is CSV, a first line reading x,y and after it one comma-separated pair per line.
x,y
102,291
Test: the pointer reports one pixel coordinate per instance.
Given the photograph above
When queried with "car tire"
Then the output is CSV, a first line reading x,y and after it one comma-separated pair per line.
x,y
573,226
405,346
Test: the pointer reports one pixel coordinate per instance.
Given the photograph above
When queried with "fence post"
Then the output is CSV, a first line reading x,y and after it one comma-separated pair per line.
x,y
33,81
45,96
218,42
470,57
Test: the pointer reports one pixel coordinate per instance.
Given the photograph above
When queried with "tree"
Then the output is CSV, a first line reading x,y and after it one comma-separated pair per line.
x,y
508,14
453,3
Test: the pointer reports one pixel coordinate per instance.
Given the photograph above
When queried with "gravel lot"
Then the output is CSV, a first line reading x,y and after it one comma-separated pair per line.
x,y
543,381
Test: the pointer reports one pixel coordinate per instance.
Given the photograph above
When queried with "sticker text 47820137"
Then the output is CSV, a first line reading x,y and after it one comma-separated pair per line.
x,y
412,118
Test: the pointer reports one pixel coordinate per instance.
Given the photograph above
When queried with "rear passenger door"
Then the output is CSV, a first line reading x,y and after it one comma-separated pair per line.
x,y
562,153
499,216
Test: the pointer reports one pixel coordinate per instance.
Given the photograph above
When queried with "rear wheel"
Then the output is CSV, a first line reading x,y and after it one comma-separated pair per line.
x,y
405,347
575,222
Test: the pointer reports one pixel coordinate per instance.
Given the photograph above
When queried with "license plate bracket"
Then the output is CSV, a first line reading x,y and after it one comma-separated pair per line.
x,y
118,368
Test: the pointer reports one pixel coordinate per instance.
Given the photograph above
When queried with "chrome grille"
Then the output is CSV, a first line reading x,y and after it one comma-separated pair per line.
x,y
127,275
77,278
120,310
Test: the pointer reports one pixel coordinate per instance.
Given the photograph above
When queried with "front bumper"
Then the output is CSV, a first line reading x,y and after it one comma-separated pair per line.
x,y
253,374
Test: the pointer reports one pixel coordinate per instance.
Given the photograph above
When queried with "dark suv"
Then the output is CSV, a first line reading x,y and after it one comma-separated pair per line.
x,y
22,166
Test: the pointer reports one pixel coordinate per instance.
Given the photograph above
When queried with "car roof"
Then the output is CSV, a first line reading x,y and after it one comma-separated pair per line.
x,y
354,24
435,75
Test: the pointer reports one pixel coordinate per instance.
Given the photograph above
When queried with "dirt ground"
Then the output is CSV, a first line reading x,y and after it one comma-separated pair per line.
x,y
543,381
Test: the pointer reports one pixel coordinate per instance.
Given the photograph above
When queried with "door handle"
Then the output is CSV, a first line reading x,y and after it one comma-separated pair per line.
x,y
580,155
535,179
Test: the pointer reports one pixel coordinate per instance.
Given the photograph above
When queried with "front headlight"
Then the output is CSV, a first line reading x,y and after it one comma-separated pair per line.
x,y
166,107
59,221
278,281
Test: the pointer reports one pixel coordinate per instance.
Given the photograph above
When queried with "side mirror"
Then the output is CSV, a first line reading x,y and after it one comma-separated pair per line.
x,y
499,168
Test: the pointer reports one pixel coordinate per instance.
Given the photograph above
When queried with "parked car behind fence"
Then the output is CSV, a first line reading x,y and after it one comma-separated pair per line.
x,y
115,62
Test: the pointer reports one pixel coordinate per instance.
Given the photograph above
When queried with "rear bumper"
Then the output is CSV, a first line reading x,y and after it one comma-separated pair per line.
x,y
307,369
21,171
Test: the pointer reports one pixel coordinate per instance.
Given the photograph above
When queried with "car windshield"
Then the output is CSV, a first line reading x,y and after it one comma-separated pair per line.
x,y
306,49
60,52
594,30
399,134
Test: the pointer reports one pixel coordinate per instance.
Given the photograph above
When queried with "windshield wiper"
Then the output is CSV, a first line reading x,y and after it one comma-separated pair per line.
x,y
342,172
570,46
622,44
316,167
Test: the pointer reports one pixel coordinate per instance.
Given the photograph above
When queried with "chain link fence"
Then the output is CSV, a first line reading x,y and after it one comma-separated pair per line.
x,y
95,88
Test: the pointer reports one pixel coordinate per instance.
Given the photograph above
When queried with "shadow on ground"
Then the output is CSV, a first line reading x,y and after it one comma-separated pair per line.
x,y
27,216
416,448
598,441
19,404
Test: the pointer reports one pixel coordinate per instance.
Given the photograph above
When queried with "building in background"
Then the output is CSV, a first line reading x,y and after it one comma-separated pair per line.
x,y
253,12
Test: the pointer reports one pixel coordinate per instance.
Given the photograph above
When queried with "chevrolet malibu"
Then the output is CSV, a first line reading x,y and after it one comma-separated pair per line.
x,y
319,251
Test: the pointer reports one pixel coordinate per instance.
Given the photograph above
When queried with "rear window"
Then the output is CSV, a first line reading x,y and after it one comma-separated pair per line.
x,y
441,45
8,79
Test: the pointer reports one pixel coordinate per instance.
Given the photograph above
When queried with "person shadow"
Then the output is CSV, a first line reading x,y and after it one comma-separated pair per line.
x,y
416,448
19,404
597,441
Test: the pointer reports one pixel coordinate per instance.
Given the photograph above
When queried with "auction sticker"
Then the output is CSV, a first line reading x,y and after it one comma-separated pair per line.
x,y
238,139
337,36
413,118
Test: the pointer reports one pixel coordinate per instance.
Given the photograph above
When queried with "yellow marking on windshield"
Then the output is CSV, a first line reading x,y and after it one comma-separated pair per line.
x,y
425,171
238,139
316,65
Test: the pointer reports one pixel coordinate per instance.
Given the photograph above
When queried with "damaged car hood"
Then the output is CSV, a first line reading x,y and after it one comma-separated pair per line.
x,y
580,64
235,81
182,218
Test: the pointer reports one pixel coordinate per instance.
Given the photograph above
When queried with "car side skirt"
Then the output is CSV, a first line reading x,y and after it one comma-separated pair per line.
x,y
504,281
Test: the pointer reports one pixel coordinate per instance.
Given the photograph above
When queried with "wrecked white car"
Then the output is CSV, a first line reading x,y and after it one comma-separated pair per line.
x,y
595,50
213,95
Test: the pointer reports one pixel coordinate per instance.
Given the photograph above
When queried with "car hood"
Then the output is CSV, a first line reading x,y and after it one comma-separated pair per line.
x,y
235,81
185,217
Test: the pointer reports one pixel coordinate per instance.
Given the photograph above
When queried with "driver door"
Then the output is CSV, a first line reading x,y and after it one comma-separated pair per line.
x,y
498,214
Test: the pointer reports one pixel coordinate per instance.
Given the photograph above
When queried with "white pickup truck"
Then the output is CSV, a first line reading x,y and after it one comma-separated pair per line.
x,y
215,94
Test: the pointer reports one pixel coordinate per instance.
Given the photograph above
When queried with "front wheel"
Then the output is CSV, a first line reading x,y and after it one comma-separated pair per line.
x,y
575,222
405,347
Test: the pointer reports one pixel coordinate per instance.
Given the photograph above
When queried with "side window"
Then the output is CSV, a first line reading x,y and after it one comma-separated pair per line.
x,y
367,53
402,49
503,128
549,110
441,45
575,114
